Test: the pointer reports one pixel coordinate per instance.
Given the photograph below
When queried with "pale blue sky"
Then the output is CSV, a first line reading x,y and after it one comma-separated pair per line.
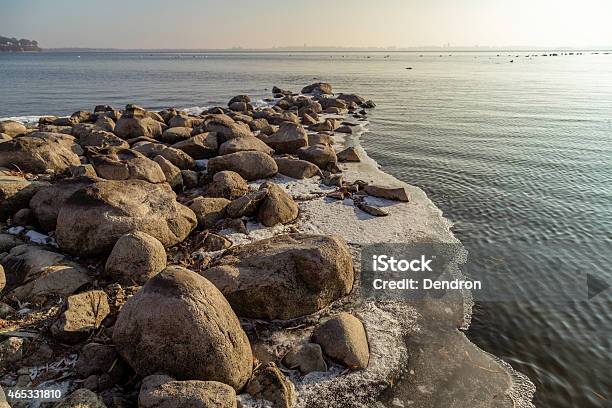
x,y
268,23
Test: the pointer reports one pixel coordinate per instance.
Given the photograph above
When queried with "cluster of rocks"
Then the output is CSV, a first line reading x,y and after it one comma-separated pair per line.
x,y
93,206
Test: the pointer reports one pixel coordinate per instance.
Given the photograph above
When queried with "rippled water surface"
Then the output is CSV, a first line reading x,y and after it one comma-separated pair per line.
x,y
518,155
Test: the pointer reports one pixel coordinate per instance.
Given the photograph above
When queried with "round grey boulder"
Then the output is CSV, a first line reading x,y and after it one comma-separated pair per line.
x,y
136,257
179,323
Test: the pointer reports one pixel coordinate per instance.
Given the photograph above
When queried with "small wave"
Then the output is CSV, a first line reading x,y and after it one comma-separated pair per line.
x,y
24,119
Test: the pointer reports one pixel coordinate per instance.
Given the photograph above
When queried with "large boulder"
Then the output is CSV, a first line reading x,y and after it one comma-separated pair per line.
x,y
297,169
278,207
262,126
181,325
175,156
209,210
15,194
32,272
246,205
244,144
284,277
126,164
84,313
250,165
12,128
136,257
343,338
66,140
323,155
95,217
48,201
227,184
37,155
288,138
200,146
318,88
171,172
226,128
130,127
176,134
101,139
161,391
352,98
182,120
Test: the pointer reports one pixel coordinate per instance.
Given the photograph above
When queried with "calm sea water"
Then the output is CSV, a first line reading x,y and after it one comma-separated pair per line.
x,y
518,155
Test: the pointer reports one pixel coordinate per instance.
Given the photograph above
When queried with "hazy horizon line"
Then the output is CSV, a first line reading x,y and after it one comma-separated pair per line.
x,y
347,48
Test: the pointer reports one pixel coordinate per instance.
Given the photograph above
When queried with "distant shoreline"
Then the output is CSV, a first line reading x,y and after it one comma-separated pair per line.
x,y
328,50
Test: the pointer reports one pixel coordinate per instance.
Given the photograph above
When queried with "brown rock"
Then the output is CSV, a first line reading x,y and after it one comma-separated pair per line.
x,y
126,164
83,170
15,194
95,217
11,351
201,146
243,144
176,134
277,208
297,169
175,156
288,138
345,129
33,272
269,383
227,184
127,128
306,358
171,172
390,193
159,391
246,205
96,358
262,125
343,338
322,155
190,178
48,200
84,313
226,128
350,154
318,88
102,139
136,257
180,324
12,128
284,277
37,155
209,210
213,242
82,398
250,165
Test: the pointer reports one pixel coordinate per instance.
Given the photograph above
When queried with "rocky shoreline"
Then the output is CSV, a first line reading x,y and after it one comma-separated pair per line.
x,y
166,259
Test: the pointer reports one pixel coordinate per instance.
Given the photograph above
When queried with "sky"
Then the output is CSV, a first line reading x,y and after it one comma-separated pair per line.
x,y
203,24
